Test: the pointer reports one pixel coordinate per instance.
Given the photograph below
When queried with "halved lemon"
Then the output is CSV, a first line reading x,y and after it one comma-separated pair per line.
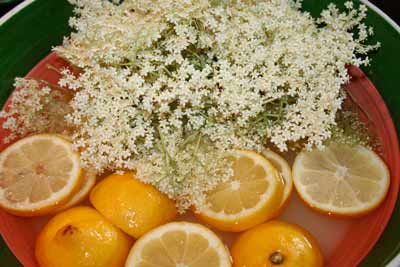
x,y
81,237
276,244
133,206
341,179
283,168
179,244
251,196
89,180
38,174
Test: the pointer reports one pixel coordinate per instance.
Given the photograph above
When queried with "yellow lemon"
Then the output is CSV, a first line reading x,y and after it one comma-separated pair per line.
x,y
276,243
179,244
341,180
89,180
81,237
251,196
283,168
131,205
38,174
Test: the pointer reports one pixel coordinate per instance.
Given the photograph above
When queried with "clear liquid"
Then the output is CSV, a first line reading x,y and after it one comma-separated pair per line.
x,y
328,231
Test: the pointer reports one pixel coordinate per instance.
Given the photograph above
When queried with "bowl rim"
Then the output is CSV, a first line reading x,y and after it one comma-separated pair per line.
x,y
15,10
380,13
395,262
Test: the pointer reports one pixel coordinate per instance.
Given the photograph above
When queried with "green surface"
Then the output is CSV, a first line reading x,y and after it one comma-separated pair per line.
x,y
29,36
7,259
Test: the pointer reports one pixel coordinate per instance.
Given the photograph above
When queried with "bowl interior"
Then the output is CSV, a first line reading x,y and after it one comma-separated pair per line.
x,y
344,242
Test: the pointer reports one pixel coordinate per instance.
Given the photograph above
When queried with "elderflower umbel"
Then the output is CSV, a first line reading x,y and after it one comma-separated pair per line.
x,y
167,87
36,108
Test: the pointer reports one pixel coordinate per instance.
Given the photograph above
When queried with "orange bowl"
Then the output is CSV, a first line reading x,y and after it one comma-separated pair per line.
x,y
361,233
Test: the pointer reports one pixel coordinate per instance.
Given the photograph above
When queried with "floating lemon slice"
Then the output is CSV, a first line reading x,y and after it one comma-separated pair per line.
x,y
341,180
283,168
251,196
38,174
89,180
179,244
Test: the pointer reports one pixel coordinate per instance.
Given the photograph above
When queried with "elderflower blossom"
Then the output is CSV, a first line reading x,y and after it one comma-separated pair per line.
x,y
168,87
35,108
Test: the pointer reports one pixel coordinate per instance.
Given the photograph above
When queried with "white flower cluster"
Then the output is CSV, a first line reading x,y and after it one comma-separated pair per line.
x,y
36,108
167,87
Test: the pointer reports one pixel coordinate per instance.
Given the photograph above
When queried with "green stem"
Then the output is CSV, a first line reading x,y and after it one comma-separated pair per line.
x,y
168,160
53,68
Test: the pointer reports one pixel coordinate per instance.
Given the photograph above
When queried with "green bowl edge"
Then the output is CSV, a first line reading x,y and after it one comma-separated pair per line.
x,y
38,34
42,25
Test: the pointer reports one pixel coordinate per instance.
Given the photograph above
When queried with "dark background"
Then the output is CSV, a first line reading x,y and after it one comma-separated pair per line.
x,y
390,7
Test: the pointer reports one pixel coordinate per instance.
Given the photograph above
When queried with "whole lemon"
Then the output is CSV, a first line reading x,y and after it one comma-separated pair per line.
x,y
276,243
81,237
131,205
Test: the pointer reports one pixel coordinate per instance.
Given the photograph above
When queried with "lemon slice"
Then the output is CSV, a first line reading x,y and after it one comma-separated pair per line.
x,y
38,174
283,168
179,244
89,180
251,196
341,179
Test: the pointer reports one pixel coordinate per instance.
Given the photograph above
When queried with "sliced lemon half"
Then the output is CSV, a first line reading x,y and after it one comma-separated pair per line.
x,y
251,196
179,244
88,182
341,179
283,168
38,174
